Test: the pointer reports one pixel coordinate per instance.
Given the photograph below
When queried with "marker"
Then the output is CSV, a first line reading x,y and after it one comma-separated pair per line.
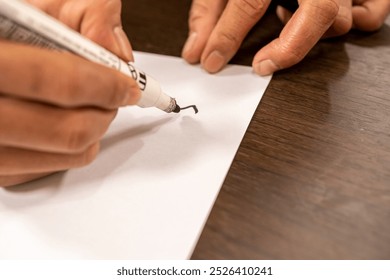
x,y
22,22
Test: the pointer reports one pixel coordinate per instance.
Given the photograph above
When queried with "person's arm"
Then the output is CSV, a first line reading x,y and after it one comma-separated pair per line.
x,y
55,107
217,29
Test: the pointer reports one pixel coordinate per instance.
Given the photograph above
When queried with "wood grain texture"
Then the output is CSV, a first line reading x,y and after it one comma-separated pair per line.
x,y
311,179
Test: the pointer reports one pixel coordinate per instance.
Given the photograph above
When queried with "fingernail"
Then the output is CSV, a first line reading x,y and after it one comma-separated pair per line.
x,y
214,62
123,43
189,43
266,67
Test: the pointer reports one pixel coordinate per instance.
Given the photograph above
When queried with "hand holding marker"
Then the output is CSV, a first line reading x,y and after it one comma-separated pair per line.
x,y
22,22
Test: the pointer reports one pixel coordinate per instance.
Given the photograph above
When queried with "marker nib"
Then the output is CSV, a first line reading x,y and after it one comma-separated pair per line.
x,y
178,109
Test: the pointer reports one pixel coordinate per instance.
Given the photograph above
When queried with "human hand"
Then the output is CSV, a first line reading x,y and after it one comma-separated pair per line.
x,y
98,20
55,107
217,29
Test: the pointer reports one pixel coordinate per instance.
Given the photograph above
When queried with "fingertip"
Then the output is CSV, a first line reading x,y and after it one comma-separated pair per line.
x,y
265,67
273,57
214,62
189,52
283,14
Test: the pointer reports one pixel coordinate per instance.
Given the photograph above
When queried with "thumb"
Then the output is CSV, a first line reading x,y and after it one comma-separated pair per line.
x,y
102,24
98,20
305,28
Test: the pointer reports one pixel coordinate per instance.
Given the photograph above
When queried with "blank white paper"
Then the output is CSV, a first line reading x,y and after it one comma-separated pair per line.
x,y
150,190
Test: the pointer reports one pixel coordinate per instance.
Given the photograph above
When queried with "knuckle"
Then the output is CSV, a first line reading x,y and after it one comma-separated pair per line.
x,y
37,84
71,84
327,10
250,8
78,133
229,39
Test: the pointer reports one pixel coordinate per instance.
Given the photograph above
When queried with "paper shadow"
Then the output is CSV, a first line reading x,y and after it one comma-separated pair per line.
x,y
49,186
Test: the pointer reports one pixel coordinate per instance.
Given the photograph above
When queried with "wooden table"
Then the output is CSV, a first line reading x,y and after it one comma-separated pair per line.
x,y
311,179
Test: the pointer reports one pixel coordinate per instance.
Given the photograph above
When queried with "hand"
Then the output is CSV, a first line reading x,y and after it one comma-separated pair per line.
x,y
55,107
217,29
98,20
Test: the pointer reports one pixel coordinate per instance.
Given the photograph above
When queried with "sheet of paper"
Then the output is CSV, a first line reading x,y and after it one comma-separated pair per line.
x,y
150,190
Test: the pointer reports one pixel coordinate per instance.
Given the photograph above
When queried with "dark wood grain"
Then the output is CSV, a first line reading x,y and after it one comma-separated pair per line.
x,y
311,179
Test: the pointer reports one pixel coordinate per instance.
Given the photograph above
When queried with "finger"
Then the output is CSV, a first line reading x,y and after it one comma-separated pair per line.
x,y
102,24
204,15
7,181
62,79
15,161
36,126
369,15
342,24
98,20
300,34
283,14
235,22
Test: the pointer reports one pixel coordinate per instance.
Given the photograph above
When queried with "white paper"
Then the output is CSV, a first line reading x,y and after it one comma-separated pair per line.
x,y
151,188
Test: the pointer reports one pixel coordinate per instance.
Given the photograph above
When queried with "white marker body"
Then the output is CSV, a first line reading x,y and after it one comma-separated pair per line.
x,y
22,22
152,95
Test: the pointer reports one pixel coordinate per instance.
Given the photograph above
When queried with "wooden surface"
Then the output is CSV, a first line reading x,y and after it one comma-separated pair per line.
x,y
311,179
